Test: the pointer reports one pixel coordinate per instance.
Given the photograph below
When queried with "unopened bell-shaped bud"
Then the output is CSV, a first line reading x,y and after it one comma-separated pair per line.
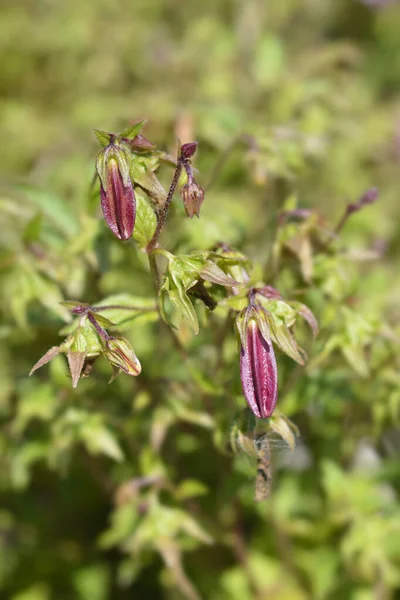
x,y
120,354
192,196
187,150
116,190
258,371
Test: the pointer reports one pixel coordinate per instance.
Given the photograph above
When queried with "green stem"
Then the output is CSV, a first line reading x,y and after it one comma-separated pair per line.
x,y
120,307
155,274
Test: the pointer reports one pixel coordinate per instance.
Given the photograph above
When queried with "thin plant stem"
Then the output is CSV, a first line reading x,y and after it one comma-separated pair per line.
x,y
119,307
102,333
164,211
155,274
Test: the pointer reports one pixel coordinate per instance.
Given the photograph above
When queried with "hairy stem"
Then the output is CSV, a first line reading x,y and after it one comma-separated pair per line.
x,y
102,332
164,211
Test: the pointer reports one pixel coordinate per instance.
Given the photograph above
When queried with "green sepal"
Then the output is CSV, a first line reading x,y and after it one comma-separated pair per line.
x,y
133,130
307,314
119,153
142,174
103,137
70,304
282,337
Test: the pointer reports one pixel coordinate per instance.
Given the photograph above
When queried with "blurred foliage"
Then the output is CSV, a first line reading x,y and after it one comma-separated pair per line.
x,y
132,489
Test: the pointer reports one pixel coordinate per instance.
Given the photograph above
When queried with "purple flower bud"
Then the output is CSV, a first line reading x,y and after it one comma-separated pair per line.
x,y
116,190
269,292
140,143
188,150
118,203
192,196
258,371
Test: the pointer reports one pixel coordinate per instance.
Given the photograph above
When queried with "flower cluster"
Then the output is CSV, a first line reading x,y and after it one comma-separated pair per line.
x,y
88,341
128,159
126,167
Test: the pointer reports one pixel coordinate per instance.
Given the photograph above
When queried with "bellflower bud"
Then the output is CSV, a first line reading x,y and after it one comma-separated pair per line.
x,y
116,190
192,196
120,354
187,150
258,371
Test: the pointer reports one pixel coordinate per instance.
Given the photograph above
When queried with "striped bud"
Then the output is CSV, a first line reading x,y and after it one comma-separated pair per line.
x,y
192,196
258,372
120,354
116,191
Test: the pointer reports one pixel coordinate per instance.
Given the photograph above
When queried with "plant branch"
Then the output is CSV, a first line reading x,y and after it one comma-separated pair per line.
x,y
164,211
369,197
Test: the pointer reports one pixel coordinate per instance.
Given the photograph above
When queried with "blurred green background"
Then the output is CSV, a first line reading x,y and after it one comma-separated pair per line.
x,y
298,100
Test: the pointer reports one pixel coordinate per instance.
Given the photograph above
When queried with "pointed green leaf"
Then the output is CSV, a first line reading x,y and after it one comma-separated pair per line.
x,y
103,321
182,303
33,229
55,208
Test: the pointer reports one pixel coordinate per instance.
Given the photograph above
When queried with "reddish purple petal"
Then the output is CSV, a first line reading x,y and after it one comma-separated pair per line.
x,y
118,203
258,373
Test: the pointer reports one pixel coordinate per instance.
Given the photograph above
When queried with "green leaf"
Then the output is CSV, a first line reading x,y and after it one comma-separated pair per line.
x,y
133,130
184,270
145,224
38,591
190,488
103,321
70,304
123,522
180,300
55,208
92,582
33,229
355,358
98,439
37,402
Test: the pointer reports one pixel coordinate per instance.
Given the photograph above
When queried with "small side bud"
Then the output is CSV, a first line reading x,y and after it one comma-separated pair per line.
x,y
187,150
140,144
192,196
120,354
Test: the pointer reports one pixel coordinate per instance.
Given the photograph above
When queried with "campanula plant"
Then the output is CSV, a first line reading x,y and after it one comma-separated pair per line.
x,y
126,167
